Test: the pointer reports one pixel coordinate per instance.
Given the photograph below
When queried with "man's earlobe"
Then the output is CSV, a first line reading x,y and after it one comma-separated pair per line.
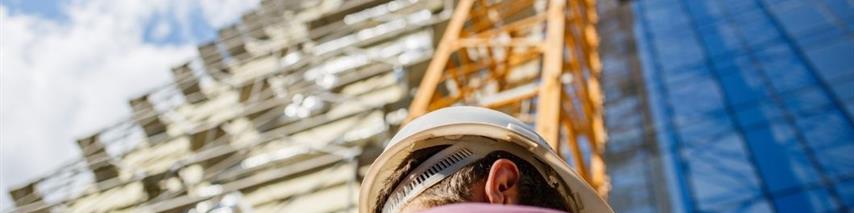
x,y
501,183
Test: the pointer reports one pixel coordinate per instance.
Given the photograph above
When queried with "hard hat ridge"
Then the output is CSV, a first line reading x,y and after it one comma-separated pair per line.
x,y
462,115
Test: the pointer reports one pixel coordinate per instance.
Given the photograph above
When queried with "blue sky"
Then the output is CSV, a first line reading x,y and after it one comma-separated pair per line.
x,y
199,31
68,67
49,9
53,10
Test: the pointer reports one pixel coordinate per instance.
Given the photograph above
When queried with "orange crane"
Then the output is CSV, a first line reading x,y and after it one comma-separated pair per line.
x,y
535,60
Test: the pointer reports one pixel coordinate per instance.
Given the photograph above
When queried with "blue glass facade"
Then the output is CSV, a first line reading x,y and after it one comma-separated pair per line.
x,y
741,105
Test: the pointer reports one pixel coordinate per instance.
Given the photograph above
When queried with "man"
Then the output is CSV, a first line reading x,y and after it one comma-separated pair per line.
x,y
459,159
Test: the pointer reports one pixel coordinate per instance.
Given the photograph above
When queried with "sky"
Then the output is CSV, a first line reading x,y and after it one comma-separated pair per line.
x,y
69,67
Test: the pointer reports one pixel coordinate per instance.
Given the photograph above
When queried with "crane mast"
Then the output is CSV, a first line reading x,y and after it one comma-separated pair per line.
x,y
535,60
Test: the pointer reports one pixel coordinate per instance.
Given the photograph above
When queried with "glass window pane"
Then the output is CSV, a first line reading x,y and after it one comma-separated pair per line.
x,y
688,75
829,133
806,100
737,6
800,19
846,191
754,28
780,157
785,71
678,50
691,101
720,39
743,86
660,18
844,88
817,200
705,12
834,60
842,9
721,161
709,129
759,113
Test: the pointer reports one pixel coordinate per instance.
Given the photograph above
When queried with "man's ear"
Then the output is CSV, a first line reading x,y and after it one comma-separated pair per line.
x,y
502,183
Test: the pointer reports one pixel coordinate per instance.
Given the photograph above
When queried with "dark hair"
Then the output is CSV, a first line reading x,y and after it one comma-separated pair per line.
x,y
533,188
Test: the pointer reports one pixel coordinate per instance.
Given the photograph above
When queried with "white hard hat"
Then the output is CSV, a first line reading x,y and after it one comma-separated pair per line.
x,y
445,127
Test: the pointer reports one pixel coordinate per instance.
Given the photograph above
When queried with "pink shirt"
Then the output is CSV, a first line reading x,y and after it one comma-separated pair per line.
x,y
483,207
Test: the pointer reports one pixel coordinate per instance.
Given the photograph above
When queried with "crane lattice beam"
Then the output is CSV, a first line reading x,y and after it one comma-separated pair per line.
x,y
535,60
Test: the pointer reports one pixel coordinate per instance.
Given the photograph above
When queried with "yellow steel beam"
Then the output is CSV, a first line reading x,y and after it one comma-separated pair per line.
x,y
548,107
440,59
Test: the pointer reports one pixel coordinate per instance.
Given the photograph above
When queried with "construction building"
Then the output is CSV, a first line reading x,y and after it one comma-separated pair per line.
x,y
729,106
708,106
282,112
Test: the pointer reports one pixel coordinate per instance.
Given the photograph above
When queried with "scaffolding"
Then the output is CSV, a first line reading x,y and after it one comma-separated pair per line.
x,y
535,60
283,111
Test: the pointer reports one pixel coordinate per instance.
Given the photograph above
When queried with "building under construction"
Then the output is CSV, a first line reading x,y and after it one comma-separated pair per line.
x,y
661,105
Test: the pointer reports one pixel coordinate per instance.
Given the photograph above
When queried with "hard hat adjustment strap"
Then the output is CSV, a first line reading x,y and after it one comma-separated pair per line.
x,y
448,161
432,171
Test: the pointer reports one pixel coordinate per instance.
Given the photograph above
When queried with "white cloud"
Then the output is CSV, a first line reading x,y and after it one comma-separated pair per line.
x,y
60,80
161,30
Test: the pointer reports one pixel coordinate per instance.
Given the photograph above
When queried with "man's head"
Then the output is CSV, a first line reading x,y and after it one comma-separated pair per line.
x,y
470,154
498,178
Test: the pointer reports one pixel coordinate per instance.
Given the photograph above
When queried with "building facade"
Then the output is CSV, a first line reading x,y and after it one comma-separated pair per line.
x,y
282,112
730,106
